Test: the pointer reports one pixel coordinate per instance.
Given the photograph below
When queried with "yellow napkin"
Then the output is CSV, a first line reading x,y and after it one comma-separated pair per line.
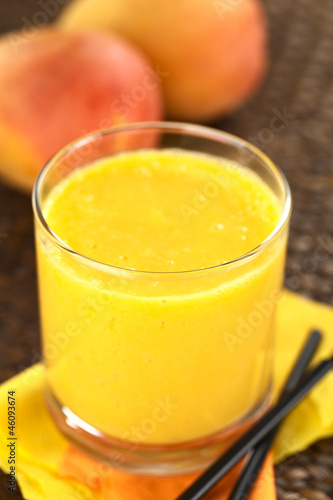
x,y
47,468
313,418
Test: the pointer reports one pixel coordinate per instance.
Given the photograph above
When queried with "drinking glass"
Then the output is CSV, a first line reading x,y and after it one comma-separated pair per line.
x,y
157,372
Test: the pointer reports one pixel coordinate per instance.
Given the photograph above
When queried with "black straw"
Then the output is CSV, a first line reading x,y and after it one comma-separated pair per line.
x,y
252,437
249,474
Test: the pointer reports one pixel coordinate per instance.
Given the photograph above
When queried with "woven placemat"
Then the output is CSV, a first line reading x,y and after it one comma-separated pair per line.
x,y
300,86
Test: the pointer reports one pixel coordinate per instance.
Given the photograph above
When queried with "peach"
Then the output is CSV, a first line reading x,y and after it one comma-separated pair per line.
x,y
56,87
211,53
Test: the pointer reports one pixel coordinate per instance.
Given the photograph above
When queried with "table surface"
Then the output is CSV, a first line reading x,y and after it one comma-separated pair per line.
x,y
299,83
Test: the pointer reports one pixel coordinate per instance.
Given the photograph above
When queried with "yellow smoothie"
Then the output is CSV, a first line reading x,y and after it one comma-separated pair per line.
x,y
150,339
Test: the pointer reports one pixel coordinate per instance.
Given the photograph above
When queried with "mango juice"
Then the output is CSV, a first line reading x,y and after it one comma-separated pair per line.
x,y
156,328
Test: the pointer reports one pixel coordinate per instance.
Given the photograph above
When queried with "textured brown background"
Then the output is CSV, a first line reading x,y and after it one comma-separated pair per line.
x,y
300,81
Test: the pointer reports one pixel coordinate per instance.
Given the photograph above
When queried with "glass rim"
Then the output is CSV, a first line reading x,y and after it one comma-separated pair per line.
x,y
175,127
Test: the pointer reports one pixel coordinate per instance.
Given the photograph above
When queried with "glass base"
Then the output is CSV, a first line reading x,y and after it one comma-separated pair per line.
x,y
144,459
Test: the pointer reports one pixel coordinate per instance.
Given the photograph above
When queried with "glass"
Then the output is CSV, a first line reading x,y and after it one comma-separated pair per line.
x,y
179,413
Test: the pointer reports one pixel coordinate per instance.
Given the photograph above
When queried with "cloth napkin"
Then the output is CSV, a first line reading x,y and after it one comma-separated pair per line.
x,y
49,468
